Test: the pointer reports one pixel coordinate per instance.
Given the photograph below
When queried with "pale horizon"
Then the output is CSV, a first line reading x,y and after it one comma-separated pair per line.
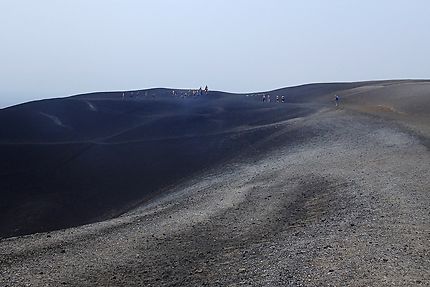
x,y
58,49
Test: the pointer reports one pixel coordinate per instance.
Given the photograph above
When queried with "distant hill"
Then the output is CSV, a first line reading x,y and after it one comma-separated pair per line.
x,y
71,161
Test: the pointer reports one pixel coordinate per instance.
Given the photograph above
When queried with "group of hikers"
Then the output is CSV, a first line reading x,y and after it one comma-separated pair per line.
x,y
205,91
182,94
266,98
189,93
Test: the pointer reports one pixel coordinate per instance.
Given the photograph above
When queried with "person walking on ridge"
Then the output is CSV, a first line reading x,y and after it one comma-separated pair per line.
x,y
337,99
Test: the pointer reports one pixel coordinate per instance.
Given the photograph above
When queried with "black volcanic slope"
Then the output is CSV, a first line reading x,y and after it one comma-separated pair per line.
x,y
67,162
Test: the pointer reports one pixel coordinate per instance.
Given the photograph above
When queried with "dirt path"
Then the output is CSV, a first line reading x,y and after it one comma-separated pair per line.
x,y
344,204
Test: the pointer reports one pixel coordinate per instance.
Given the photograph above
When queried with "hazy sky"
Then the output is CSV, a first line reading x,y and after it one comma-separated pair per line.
x,y
57,48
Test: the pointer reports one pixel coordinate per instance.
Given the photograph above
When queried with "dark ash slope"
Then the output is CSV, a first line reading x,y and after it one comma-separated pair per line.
x,y
71,161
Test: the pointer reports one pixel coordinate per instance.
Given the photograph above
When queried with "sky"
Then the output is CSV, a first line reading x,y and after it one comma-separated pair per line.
x,y
57,48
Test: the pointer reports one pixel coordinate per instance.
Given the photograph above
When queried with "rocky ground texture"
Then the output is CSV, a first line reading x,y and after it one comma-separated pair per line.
x,y
337,198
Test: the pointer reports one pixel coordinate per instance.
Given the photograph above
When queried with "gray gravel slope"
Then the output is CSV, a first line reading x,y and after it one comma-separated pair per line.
x,y
345,204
